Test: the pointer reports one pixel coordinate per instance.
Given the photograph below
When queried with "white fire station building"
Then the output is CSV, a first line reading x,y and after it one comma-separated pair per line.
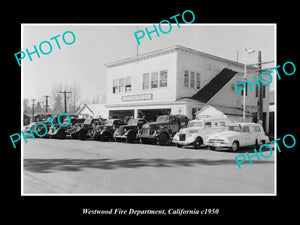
x,y
180,80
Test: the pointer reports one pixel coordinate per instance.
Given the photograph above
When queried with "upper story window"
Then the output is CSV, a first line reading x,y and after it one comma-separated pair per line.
x,y
154,80
115,86
163,79
198,81
146,81
121,85
127,84
191,79
186,78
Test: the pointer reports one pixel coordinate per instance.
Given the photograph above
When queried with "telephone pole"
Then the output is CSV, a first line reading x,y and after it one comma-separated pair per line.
x,y
260,108
65,96
33,120
46,96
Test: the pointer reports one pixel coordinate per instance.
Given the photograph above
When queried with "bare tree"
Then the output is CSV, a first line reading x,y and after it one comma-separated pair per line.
x,y
38,108
74,97
26,107
56,100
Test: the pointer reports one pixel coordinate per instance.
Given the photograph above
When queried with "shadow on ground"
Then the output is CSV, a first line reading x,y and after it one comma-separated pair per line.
x,y
52,165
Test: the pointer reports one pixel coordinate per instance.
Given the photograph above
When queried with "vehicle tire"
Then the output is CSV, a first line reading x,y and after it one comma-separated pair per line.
x,y
82,134
163,139
259,143
212,147
143,141
197,143
74,135
235,146
61,134
131,137
96,136
40,132
104,137
178,145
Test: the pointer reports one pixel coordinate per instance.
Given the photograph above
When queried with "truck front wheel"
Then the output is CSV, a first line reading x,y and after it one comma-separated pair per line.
x,y
162,139
131,137
197,143
82,134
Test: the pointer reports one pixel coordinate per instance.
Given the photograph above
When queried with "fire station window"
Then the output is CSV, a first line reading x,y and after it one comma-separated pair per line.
x,y
192,81
127,84
115,86
154,80
121,84
163,79
146,81
198,81
186,78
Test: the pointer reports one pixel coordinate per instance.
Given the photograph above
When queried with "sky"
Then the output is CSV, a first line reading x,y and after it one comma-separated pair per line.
x,y
83,62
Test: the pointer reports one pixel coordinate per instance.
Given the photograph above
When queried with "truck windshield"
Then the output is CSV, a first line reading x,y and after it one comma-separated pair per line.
x,y
109,122
162,119
195,124
133,122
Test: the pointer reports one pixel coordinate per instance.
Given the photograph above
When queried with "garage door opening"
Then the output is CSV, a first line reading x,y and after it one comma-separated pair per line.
x,y
152,114
121,114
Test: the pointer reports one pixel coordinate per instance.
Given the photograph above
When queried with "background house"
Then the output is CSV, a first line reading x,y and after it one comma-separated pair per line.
x,y
92,111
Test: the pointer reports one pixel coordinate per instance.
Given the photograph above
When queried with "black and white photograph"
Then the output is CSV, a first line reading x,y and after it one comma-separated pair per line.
x,y
165,112
145,109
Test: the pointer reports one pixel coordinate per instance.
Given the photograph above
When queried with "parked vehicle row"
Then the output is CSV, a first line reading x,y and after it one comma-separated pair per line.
x,y
177,129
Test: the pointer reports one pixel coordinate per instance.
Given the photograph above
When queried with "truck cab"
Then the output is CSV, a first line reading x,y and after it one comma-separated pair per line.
x,y
163,130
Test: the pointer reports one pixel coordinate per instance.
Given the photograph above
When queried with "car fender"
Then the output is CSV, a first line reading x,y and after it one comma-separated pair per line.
x,y
128,131
233,138
192,138
83,130
104,132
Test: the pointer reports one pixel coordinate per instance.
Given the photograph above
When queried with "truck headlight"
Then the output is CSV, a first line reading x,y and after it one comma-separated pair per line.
x,y
155,132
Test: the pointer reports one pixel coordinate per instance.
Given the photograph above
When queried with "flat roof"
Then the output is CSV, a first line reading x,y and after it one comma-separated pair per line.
x,y
172,49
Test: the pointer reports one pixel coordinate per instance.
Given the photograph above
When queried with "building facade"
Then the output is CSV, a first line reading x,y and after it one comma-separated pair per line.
x,y
178,80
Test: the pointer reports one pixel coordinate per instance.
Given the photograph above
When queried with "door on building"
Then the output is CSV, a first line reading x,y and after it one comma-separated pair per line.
x,y
151,114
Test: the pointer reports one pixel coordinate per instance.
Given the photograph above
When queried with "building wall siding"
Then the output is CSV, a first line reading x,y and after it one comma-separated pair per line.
x,y
207,67
136,70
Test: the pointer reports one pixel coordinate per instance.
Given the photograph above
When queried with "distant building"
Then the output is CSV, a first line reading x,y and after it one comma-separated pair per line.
x,y
92,111
26,119
234,114
179,80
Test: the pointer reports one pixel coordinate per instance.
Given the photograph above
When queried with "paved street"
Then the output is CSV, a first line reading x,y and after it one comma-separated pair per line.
x,y
89,167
